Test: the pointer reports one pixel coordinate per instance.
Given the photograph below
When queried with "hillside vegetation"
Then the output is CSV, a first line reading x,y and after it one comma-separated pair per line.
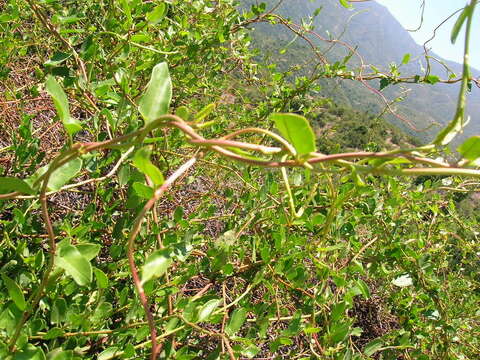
x,y
381,41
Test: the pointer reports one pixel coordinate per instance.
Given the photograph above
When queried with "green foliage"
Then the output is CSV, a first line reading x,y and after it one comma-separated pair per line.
x,y
156,100
141,161
61,104
470,149
369,266
297,131
340,128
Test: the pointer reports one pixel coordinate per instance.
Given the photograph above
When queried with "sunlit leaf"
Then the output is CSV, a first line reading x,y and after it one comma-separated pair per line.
x,y
406,59
156,265
64,174
61,104
156,100
236,321
60,176
345,4
102,279
207,309
373,346
60,354
10,184
143,191
202,114
250,351
432,79
297,131
453,128
88,251
183,112
470,149
74,264
142,162
57,59
459,23
157,14
109,353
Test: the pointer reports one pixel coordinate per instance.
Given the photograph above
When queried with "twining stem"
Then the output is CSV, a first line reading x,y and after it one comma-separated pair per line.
x,y
281,140
131,250
169,120
37,295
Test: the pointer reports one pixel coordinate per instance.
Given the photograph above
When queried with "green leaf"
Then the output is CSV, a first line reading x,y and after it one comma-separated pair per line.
x,y
384,83
88,251
250,351
60,354
312,330
157,14
345,4
64,174
53,333
432,79
459,23
60,176
142,190
10,184
373,346
30,353
207,309
178,214
61,104
14,292
156,100
297,131
452,129
156,265
338,311
470,149
57,59
74,264
363,288
183,112
406,59
59,311
141,160
339,332
236,321
109,353
102,279
202,114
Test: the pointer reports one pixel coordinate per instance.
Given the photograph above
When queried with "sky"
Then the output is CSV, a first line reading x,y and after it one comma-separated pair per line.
x,y
408,13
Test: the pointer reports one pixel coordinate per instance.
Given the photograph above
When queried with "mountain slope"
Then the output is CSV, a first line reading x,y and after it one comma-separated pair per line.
x,y
380,40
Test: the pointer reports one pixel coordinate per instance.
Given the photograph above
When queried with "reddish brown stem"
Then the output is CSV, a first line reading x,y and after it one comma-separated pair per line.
x,y
131,249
